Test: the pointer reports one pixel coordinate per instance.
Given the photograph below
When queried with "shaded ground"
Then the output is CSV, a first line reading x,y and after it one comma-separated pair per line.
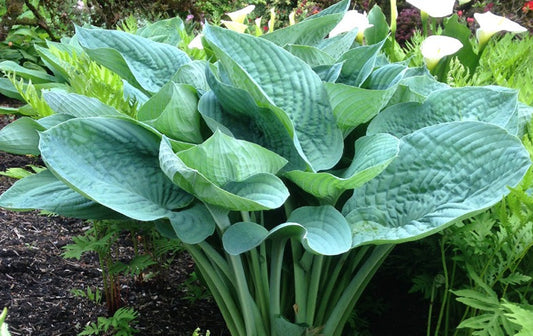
x,y
36,281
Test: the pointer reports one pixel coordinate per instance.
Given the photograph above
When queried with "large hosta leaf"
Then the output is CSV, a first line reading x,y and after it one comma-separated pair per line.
x,y
443,173
77,105
354,106
359,63
491,104
322,230
230,173
308,32
277,79
372,155
163,31
231,108
173,111
94,157
142,62
44,191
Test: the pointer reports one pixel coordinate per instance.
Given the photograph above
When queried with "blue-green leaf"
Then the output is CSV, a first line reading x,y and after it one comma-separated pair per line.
x,y
163,31
372,155
144,63
43,191
308,32
286,84
322,230
226,172
77,105
359,64
490,104
100,167
443,173
354,106
173,112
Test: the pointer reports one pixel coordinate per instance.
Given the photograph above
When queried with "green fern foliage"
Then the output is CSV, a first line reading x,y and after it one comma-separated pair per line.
x,y
494,251
505,62
88,78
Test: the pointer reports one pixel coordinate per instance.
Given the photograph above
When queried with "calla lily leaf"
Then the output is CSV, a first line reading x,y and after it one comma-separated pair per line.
x,y
443,173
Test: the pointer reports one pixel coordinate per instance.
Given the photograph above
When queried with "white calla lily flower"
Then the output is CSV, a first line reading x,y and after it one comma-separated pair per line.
x,y
235,26
351,20
240,15
196,42
435,47
490,24
434,8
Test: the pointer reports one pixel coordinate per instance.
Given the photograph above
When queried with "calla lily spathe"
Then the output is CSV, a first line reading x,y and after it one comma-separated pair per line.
x,y
196,42
240,15
235,26
490,24
436,47
434,8
351,20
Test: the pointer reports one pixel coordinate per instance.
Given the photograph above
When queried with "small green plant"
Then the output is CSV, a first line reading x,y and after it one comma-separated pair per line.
x,y
198,332
93,296
120,324
3,325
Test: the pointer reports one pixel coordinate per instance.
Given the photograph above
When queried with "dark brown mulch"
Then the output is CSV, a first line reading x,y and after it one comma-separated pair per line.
x,y
36,281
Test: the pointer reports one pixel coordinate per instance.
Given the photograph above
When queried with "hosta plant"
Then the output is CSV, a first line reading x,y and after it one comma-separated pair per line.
x,y
289,164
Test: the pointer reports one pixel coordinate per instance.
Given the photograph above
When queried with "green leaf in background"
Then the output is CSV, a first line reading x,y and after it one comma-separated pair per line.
x,y
380,29
163,31
173,112
101,168
443,173
372,154
230,173
43,191
455,29
77,105
144,63
490,104
276,78
322,230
